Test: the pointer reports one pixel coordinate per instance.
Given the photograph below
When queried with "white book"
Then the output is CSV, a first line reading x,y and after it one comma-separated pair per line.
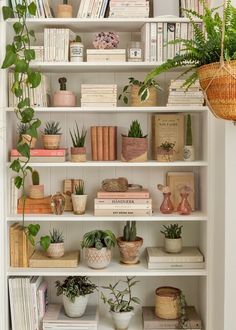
x,y
34,285
170,37
100,105
188,254
183,34
103,9
177,36
90,8
176,265
159,42
48,13
106,51
145,37
12,299
98,9
165,40
153,45
85,9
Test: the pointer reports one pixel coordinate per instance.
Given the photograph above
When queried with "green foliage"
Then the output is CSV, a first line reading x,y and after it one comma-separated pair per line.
x,y
182,311
65,2
172,231
121,300
45,242
52,128
22,128
75,286
62,81
35,178
56,236
99,239
189,137
168,146
78,38
130,231
78,139
79,188
135,130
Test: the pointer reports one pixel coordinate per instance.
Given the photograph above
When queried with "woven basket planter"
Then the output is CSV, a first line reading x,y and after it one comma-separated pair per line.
x,y
167,303
134,149
135,100
36,191
219,87
51,142
78,154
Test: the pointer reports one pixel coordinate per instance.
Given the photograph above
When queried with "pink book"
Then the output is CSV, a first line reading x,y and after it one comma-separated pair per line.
x,y
144,193
42,300
42,153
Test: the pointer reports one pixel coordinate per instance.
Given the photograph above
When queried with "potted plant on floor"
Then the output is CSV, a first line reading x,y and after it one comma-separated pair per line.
x,y
75,291
121,302
56,248
24,137
189,154
64,10
134,145
165,152
98,245
36,190
79,199
78,151
173,241
64,98
51,135
129,244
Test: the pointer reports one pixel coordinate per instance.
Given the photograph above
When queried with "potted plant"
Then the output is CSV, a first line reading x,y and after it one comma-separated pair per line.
x,y
75,291
129,244
56,248
79,199
173,240
134,145
142,94
121,302
64,98
165,152
189,154
98,244
24,137
36,190
64,10
51,135
78,151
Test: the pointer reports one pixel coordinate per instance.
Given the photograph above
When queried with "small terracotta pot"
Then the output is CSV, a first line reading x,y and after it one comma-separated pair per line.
x,y
129,251
164,155
78,154
25,138
98,259
135,100
173,245
64,11
64,99
51,142
79,203
36,191
134,149
167,303
56,250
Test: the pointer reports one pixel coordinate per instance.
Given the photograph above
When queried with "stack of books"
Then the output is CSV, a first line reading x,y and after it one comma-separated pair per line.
x,y
56,44
42,155
178,95
188,258
92,8
129,8
104,143
55,319
43,9
28,302
129,203
97,95
194,5
106,55
152,322
35,206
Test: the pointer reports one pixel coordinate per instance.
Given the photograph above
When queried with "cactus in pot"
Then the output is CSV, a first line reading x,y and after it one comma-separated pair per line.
x,y
36,190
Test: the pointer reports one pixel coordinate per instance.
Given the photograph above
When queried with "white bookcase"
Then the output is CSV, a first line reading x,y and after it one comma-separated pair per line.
x,y
198,227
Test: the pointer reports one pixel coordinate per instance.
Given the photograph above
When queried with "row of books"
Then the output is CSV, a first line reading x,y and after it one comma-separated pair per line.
x,y
104,143
129,8
98,95
178,95
194,5
43,8
92,8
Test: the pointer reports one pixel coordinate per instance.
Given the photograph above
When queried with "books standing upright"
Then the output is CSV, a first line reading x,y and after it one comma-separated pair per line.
x,y
104,143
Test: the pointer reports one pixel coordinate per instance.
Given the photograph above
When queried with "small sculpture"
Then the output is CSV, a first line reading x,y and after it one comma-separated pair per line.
x,y
116,185
58,203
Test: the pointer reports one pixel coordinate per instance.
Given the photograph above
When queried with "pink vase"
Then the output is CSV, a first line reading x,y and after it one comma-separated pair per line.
x,y
166,206
64,99
184,208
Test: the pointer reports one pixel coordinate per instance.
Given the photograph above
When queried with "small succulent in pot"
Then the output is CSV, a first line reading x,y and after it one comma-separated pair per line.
x,y
106,40
24,137
56,248
36,190
63,97
78,151
75,291
51,135
165,152
173,238
79,198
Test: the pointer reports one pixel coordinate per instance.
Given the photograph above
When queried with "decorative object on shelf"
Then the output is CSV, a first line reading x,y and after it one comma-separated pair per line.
x,y
135,51
141,94
68,190
129,9
120,302
36,190
184,208
56,248
165,152
64,98
77,50
58,202
78,151
24,137
189,153
106,55
166,206
51,135
64,10
79,199
115,185
173,239
106,40
34,206
130,244
75,291
98,245
104,143
134,145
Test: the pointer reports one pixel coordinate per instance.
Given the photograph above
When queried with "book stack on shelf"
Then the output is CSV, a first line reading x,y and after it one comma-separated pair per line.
x,y
35,205
178,95
42,155
97,95
104,143
194,5
92,9
129,8
128,203
106,55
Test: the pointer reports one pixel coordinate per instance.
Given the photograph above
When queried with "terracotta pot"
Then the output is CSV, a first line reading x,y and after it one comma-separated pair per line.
x,y
36,191
135,100
173,245
76,308
129,251
64,99
164,155
134,149
64,11
167,303
56,250
51,142
121,320
78,154
98,259
25,138
79,203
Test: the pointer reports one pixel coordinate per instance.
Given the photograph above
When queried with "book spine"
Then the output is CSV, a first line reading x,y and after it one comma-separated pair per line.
x,y
160,42
12,247
153,44
112,141
165,40
127,201
176,265
105,143
177,36
122,212
171,37
100,142
105,195
98,105
94,143
122,207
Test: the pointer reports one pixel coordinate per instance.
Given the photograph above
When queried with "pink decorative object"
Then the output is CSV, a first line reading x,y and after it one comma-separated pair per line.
x,y
64,99
184,208
167,206
106,40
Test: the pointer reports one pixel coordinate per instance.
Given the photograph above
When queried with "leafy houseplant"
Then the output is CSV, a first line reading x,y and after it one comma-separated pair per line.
x,y
98,244
165,152
79,199
173,238
129,244
78,151
51,135
64,98
121,302
75,291
64,10
56,248
135,144
189,154
36,190
24,137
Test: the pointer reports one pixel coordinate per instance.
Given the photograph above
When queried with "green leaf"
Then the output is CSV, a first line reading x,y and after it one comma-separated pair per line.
x,y
29,168
27,115
18,27
29,54
10,59
126,100
33,229
32,130
31,239
18,182
15,165
45,241
34,78
21,66
23,103
32,8
32,33
24,150
7,12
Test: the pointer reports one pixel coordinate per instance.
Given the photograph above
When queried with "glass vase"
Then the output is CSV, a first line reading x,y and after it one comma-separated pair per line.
x,y
184,208
58,202
166,206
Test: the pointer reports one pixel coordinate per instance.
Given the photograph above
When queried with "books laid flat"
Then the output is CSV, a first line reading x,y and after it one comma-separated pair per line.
x,y
40,260
92,8
106,55
42,155
179,95
130,193
188,254
130,9
122,212
98,95
35,206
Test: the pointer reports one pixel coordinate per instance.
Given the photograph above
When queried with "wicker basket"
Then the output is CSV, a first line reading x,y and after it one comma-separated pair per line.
x,y
167,303
219,86
135,100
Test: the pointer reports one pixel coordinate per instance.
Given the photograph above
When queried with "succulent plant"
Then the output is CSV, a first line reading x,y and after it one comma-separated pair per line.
x,y
22,128
52,128
62,81
172,231
56,236
189,137
79,188
78,139
35,178
130,231
135,130
99,239
167,146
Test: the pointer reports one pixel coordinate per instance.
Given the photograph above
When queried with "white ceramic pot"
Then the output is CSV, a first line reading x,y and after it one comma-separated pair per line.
x,y
121,320
98,259
79,203
76,309
56,250
173,245
189,153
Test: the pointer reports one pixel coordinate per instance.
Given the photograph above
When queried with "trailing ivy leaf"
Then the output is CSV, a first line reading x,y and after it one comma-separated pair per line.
x,y
23,103
10,48
24,150
32,8
27,115
33,229
18,27
126,100
18,182
15,165
7,12
32,131
34,78
32,34
29,168
21,66
18,92
9,60
31,239
45,241
29,54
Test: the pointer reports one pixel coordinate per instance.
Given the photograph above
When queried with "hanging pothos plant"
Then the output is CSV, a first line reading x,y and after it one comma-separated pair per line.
x,y
18,57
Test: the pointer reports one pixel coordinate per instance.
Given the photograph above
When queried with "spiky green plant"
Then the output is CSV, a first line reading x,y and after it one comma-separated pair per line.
x,y
130,231
172,231
99,239
168,146
79,188
56,236
189,137
135,130
22,128
35,178
52,128
78,139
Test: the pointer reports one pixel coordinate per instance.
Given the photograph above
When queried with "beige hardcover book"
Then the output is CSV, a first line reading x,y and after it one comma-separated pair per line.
x,y
12,246
188,254
16,245
168,127
106,58
40,260
176,180
67,186
117,213
27,249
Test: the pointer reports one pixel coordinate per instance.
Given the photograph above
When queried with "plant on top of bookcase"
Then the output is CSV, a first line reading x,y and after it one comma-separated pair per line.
x,y
165,152
189,154
78,151
51,135
64,10
173,239
22,129
63,97
79,198
36,190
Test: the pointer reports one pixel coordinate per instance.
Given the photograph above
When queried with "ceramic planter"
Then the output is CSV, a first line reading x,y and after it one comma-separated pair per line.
x,y
135,100
167,303
121,320
173,245
164,155
76,309
25,138
36,191
56,250
98,259
189,153
64,99
78,154
134,149
79,203
129,251
64,11
51,142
